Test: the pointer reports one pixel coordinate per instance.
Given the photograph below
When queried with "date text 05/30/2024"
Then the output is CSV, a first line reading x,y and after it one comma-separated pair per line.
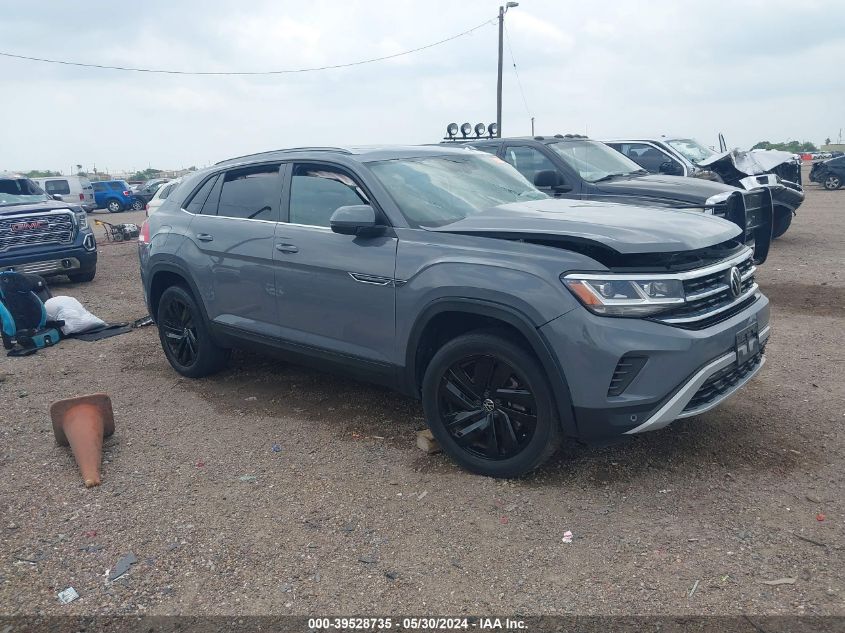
x,y
408,623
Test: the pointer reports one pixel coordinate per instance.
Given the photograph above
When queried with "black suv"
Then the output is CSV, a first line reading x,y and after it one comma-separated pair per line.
x,y
574,166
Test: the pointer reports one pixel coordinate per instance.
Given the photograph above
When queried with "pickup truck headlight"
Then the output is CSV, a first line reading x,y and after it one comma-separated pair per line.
x,y
618,295
81,219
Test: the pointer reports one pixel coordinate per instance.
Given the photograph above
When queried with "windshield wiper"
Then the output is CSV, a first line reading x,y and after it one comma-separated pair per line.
x,y
610,176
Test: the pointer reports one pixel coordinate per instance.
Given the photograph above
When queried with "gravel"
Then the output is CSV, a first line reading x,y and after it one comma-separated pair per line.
x,y
352,518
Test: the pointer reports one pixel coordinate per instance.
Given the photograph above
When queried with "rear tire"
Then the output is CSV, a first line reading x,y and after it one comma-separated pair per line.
x,y
489,405
185,337
138,205
783,219
83,277
114,206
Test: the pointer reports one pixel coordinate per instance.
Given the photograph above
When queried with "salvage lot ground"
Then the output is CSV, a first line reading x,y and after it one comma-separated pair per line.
x,y
350,518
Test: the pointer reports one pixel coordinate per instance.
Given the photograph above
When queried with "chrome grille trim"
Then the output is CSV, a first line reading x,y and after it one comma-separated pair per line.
x,y
62,232
692,319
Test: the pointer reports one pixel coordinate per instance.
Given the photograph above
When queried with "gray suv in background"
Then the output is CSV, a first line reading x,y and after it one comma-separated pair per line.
x,y
517,318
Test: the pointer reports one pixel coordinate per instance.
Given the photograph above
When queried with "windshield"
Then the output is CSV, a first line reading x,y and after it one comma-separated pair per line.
x,y
595,161
20,191
443,189
691,149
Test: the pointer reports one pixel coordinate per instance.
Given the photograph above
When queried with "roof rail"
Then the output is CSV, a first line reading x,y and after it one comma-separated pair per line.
x,y
287,149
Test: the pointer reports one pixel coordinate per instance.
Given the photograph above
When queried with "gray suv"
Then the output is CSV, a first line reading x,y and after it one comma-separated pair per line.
x,y
519,319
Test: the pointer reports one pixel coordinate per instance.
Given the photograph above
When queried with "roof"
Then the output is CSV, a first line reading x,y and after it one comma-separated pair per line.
x,y
360,153
556,138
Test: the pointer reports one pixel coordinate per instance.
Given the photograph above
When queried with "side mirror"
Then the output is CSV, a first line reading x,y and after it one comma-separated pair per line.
x,y
358,219
670,168
551,179
56,196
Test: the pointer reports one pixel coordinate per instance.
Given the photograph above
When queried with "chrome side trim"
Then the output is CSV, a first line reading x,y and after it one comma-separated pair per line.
x,y
374,280
743,297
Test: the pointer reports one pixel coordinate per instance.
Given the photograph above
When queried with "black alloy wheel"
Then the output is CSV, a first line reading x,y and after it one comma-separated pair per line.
x,y
487,407
488,403
184,335
179,332
832,181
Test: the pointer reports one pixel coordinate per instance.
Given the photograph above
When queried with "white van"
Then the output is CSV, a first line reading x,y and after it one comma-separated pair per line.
x,y
75,189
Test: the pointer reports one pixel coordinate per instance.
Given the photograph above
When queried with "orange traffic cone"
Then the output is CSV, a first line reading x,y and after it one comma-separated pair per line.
x,y
82,423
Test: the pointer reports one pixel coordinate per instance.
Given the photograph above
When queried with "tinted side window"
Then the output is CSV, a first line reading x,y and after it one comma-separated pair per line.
x,y
251,193
318,190
60,187
199,198
166,191
116,186
646,156
98,186
528,161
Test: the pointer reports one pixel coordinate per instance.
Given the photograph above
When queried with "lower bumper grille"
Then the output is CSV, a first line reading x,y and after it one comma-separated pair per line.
x,y
69,264
722,381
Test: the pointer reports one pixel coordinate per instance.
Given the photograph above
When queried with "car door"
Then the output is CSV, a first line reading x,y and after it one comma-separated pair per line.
x,y
232,231
335,292
99,194
529,161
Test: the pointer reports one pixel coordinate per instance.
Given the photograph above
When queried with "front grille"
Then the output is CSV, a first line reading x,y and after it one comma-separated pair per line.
x,y
722,381
36,230
709,298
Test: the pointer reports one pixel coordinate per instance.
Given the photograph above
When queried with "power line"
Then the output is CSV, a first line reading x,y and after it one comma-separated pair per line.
x,y
263,72
516,72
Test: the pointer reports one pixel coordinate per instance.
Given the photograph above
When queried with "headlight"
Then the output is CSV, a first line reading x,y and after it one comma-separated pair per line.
x,y
81,220
617,295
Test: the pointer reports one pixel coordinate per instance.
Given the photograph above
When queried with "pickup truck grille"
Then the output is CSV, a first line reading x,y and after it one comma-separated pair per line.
x,y
38,229
709,298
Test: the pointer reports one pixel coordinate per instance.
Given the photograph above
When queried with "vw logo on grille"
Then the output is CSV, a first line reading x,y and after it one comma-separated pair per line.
x,y
735,281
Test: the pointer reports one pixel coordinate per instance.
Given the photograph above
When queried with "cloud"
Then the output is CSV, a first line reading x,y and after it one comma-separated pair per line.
x,y
753,69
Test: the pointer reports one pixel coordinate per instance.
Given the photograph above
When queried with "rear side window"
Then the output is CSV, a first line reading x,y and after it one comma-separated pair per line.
x,y
98,186
199,198
251,193
116,186
166,191
59,187
318,190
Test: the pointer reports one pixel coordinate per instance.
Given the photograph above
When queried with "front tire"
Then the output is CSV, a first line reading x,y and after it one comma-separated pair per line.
x,y
114,206
782,222
489,405
184,335
83,277
831,182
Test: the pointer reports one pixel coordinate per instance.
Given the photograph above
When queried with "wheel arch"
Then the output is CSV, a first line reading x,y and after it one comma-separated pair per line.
x,y
462,315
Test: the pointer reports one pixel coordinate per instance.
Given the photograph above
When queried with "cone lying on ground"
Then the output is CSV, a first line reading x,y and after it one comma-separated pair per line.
x,y
82,423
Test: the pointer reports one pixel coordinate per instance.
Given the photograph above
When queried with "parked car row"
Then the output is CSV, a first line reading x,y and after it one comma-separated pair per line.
x,y
113,195
829,173
533,292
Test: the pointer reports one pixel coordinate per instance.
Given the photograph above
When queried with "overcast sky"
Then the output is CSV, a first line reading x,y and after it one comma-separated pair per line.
x,y
753,69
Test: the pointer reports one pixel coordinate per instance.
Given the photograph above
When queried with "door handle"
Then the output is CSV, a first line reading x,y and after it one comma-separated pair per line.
x,y
205,237
287,248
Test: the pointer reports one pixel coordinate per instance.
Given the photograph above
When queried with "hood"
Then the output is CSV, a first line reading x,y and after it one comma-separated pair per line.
x,y
624,228
758,161
47,205
675,191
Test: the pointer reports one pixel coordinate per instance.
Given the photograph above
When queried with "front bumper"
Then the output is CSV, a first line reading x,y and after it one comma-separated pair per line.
x,y
79,257
679,362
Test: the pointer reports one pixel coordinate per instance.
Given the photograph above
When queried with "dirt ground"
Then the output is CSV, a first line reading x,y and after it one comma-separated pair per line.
x,y
349,517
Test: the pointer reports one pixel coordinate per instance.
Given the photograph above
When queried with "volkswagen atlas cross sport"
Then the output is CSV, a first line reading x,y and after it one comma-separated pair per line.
x,y
517,318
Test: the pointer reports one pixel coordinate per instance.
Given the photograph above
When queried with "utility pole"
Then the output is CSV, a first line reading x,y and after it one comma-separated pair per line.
x,y
532,126
502,11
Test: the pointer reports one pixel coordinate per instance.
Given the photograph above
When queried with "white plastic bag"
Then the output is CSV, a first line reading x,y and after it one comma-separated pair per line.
x,y
77,319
